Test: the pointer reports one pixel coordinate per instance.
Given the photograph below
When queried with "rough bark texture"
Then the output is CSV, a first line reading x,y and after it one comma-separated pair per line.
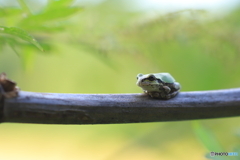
x,y
54,108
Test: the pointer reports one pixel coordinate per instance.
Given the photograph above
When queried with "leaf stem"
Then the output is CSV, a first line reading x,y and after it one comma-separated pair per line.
x,y
24,6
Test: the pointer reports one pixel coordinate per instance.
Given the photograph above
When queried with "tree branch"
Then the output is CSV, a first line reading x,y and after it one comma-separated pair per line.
x,y
54,108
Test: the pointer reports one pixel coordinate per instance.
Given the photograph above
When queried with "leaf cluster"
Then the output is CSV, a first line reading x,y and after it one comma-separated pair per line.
x,y
19,25
109,28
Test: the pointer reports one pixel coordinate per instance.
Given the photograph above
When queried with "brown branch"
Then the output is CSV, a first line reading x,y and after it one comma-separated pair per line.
x,y
54,108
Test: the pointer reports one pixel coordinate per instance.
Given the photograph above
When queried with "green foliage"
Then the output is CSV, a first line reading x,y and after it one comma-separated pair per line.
x,y
165,41
20,34
209,140
206,137
50,19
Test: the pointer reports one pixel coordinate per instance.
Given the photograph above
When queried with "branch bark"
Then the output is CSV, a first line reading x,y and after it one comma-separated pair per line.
x,y
54,108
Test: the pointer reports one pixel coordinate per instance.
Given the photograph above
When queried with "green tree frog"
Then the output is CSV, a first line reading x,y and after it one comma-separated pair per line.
x,y
158,85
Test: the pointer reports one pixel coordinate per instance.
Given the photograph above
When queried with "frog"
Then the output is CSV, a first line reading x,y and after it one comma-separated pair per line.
x,y
158,85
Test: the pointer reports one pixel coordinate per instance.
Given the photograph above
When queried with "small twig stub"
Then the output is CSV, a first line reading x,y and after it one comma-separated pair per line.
x,y
8,88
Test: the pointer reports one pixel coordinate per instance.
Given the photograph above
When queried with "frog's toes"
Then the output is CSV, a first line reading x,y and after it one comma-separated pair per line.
x,y
173,94
146,92
168,96
154,94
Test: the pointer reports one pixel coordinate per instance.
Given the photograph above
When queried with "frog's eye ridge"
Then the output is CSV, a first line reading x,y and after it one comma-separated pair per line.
x,y
151,78
159,81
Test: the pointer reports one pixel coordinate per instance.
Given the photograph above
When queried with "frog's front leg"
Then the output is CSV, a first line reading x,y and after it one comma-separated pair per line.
x,y
153,94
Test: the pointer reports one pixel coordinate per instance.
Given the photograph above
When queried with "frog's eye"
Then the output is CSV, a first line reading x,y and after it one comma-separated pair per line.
x,y
151,78
139,75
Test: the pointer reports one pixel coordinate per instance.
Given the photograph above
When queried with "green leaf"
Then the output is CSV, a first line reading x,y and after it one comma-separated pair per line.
x,y
59,3
48,17
20,34
206,137
53,12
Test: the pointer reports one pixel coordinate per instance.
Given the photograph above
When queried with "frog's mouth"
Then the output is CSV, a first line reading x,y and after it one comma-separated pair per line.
x,y
147,83
149,86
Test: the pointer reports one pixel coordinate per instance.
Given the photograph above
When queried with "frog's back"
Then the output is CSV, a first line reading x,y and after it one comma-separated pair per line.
x,y
166,77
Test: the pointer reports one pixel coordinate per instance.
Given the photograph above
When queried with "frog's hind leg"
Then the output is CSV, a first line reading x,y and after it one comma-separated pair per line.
x,y
167,89
171,95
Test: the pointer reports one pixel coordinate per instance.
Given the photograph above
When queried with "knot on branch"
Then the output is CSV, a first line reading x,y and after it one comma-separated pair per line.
x,y
8,88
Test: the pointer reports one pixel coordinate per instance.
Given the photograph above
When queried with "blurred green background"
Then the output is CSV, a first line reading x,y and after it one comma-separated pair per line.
x,y
100,47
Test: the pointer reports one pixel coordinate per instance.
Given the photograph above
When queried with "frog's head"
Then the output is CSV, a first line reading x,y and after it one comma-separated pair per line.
x,y
148,81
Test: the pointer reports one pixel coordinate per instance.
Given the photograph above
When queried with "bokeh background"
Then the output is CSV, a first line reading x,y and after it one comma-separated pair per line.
x,y
99,46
